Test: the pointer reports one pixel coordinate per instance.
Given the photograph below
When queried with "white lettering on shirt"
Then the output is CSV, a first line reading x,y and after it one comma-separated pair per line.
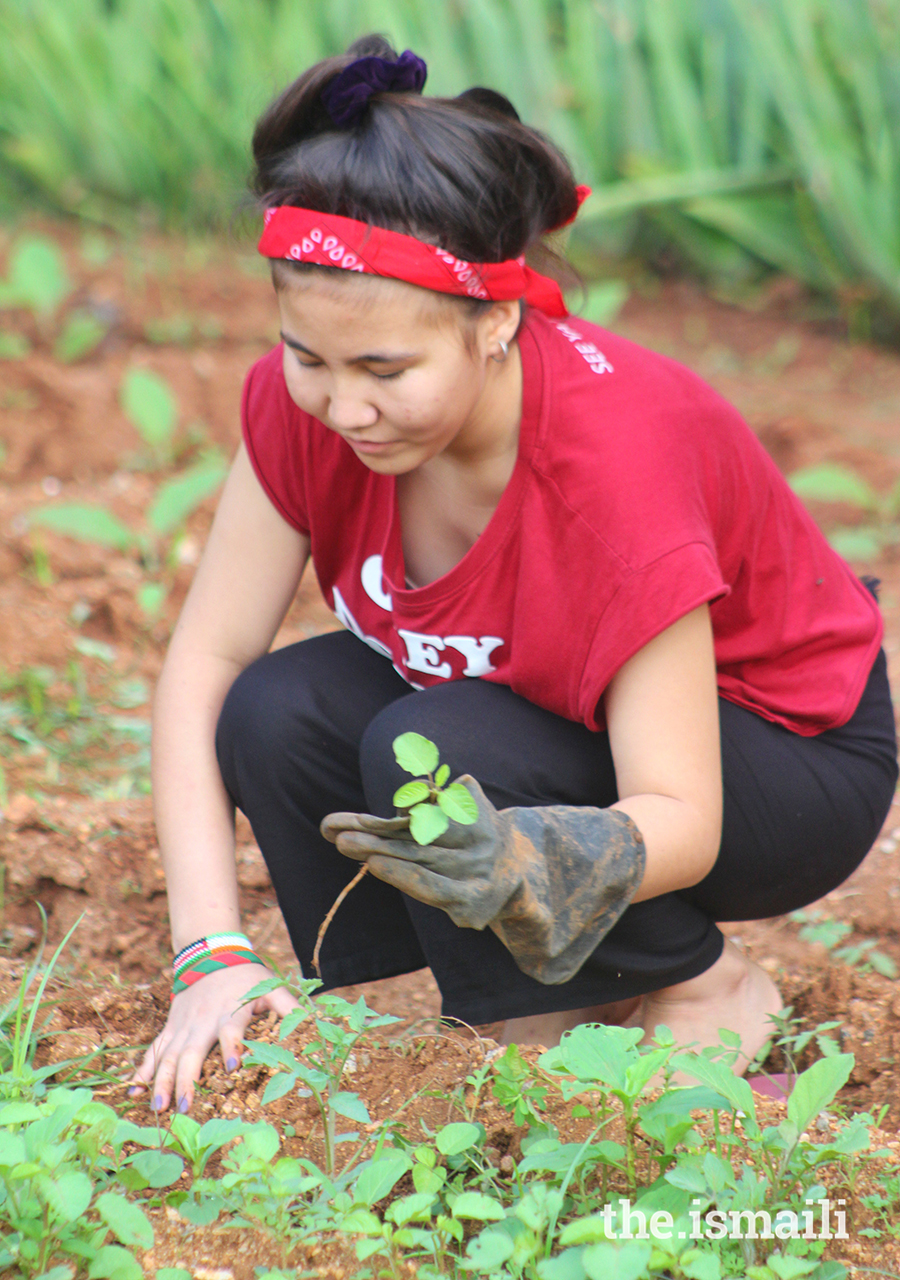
x,y
476,652
592,354
343,614
371,576
422,653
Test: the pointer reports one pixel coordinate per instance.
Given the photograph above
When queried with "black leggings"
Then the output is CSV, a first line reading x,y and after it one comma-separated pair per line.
x,y
307,730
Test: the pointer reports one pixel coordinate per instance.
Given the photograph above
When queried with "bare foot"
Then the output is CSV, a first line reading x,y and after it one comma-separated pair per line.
x,y
547,1028
735,993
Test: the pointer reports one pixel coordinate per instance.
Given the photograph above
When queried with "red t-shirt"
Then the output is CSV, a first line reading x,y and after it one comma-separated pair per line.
x,y
638,494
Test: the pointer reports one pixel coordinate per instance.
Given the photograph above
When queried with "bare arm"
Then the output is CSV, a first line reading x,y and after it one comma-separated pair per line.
x,y
248,575
663,718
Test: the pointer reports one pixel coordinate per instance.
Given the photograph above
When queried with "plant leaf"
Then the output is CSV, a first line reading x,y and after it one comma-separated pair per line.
x,y
351,1106
817,1086
627,1261
379,1177
410,793
178,498
458,804
442,775
81,334
427,822
832,483
456,1138
415,754
69,1195
160,1168
87,524
150,407
488,1251
127,1220
858,544
474,1204
112,1262
37,275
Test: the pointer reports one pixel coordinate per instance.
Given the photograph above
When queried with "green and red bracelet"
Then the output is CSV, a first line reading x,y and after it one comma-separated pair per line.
x,y
206,955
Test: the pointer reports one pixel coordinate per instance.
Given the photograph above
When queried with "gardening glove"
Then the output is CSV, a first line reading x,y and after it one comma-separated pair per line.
x,y
550,881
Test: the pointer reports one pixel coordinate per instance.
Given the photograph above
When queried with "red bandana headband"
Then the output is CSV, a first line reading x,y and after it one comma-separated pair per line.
x,y
326,240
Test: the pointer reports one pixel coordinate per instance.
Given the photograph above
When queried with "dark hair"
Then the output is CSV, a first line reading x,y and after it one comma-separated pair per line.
x,y
464,173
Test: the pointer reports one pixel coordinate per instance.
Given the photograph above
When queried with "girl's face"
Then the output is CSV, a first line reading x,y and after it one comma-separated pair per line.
x,y
390,369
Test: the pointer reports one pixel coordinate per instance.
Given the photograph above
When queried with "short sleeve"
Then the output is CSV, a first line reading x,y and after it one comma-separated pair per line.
x,y
648,600
274,436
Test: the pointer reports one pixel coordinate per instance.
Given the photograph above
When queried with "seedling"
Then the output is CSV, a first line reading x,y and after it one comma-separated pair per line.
x,y
338,1025
430,802
834,483
37,277
149,403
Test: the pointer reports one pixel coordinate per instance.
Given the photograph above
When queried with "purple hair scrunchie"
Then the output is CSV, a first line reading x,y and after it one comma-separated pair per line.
x,y
347,96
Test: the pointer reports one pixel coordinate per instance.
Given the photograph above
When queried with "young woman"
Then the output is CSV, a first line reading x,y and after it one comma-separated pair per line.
x,y
560,557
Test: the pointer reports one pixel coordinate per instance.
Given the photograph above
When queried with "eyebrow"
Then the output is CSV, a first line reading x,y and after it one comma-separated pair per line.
x,y
367,359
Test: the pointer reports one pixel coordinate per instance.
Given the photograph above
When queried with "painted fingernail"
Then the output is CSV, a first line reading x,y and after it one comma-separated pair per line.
x,y
135,1090
157,1103
183,1105
231,1064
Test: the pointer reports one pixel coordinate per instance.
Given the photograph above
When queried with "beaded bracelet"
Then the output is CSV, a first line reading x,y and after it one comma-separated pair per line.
x,y
206,955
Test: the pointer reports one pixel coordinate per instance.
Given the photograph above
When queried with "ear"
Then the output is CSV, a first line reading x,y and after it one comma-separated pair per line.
x,y
498,325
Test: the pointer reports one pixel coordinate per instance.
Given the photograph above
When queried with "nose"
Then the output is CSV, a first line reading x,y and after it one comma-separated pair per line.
x,y
349,412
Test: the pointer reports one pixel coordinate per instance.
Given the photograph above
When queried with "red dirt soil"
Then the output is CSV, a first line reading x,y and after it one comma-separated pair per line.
x,y
810,396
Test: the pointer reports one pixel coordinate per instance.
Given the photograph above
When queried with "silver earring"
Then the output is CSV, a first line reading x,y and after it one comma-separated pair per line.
x,y
504,347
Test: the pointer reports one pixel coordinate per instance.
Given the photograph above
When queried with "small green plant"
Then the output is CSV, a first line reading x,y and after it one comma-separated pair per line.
x,y
831,482
430,804
150,405
337,1027
863,955
70,721
37,277
152,410
429,801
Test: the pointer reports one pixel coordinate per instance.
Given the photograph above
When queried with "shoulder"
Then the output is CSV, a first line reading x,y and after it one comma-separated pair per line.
x,y
592,365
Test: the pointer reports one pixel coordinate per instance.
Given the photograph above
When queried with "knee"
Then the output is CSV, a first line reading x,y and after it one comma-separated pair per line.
x,y
381,775
261,714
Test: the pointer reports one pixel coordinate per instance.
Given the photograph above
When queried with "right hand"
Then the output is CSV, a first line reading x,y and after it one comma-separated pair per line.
x,y
207,1011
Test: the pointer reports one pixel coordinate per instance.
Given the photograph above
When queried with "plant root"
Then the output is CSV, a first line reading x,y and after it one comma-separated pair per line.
x,y
331,914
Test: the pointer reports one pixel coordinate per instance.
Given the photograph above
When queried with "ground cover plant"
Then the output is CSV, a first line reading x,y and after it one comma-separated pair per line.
x,y
81,1186
475,1129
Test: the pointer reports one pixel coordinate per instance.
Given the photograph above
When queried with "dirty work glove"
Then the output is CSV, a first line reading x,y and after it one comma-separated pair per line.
x,y
551,881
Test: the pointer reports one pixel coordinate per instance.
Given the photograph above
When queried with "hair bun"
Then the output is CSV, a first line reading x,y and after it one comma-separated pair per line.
x,y
346,97
490,99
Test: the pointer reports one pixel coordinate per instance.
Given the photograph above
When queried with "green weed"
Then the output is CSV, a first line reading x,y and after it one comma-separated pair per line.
x,y
337,1027
863,955
55,717
151,406
831,482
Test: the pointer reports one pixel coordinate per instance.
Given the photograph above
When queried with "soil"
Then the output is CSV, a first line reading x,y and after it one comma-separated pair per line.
x,y
76,833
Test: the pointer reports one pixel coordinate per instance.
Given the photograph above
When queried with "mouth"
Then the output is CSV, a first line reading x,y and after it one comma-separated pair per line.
x,y
371,446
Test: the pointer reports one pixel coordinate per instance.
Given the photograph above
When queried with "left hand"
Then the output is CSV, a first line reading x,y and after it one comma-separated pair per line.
x,y
551,881
461,872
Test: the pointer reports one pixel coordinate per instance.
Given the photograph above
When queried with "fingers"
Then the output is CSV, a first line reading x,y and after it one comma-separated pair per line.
x,y
415,880
209,1011
333,824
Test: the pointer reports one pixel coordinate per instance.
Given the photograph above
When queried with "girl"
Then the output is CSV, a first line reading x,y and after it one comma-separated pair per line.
x,y
562,558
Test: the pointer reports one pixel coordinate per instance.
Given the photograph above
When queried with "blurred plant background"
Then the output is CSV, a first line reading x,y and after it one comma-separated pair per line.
x,y
728,137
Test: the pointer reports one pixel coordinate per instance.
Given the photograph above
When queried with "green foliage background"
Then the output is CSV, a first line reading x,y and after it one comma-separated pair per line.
x,y
745,134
